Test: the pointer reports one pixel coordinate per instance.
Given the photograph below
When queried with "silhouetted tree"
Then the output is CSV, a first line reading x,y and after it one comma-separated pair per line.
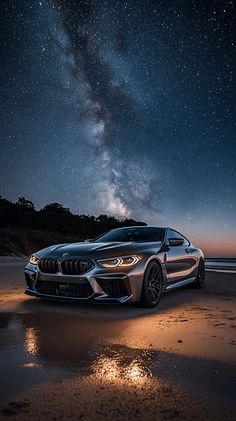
x,y
53,223
26,203
56,209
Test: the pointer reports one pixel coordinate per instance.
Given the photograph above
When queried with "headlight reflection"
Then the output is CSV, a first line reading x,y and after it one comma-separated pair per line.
x,y
31,341
108,369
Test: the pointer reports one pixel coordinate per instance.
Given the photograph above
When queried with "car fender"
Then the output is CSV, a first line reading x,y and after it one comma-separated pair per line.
x,y
160,260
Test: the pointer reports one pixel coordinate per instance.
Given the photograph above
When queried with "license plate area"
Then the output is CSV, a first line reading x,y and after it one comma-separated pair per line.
x,y
64,287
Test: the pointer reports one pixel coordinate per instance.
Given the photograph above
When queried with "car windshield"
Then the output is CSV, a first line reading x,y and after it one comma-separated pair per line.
x,y
132,234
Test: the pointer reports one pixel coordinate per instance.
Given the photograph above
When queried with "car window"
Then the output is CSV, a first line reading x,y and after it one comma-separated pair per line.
x,y
175,234
149,234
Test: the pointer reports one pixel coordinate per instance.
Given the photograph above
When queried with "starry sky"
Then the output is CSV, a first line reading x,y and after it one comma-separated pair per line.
x,y
124,108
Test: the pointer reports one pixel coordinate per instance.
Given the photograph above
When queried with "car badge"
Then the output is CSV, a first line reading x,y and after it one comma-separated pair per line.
x,y
65,254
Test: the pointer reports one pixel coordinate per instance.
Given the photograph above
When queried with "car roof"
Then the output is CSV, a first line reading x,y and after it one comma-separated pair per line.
x,y
140,226
146,226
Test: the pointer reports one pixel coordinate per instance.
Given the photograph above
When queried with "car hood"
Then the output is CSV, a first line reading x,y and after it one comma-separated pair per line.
x,y
97,249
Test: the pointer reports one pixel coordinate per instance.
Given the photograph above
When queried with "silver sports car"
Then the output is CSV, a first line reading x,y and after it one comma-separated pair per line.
x,y
126,264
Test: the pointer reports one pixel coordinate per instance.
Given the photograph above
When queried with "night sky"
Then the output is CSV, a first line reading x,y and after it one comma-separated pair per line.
x,y
124,108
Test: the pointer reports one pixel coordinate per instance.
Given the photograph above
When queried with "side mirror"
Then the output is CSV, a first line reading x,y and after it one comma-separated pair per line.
x,y
176,242
88,240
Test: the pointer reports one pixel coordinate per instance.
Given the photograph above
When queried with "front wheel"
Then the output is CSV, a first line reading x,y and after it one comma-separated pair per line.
x,y
152,285
200,280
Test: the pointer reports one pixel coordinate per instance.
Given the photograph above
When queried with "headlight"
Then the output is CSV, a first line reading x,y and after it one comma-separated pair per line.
x,y
119,261
34,259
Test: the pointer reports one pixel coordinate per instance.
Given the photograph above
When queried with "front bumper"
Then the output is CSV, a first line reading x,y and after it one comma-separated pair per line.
x,y
97,285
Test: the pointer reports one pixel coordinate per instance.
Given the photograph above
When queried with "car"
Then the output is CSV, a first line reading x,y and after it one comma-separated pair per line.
x,y
130,264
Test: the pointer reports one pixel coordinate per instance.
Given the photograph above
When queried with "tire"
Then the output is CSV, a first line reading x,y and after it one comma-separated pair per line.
x,y
152,285
200,280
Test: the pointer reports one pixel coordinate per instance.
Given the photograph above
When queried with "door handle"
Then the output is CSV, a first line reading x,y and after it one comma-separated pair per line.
x,y
187,250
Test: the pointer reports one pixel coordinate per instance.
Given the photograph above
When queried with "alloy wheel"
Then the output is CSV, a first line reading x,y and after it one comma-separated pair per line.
x,y
154,284
201,273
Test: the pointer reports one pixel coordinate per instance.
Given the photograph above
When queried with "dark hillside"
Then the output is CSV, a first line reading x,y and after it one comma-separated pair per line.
x,y
23,229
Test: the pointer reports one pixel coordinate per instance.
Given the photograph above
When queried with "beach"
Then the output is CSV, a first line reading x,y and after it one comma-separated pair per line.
x,y
64,360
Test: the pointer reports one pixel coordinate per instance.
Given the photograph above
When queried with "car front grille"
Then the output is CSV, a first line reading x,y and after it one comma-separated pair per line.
x,y
48,265
113,287
82,289
76,266
68,267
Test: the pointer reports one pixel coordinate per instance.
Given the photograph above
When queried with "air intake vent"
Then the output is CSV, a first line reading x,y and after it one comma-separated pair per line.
x,y
115,288
64,289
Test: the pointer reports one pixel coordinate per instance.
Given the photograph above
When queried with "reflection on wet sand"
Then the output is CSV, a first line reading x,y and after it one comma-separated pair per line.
x,y
122,365
64,345
31,340
81,346
96,367
66,341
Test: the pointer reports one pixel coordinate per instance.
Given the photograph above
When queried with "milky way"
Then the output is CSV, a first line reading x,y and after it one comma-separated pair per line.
x,y
124,108
103,109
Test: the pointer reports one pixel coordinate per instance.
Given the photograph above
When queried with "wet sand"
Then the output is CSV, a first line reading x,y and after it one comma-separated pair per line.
x,y
90,362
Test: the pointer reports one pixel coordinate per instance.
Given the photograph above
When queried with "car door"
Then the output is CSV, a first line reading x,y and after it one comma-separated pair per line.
x,y
179,262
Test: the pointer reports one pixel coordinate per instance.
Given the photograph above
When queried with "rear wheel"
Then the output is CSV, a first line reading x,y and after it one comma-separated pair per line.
x,y
152,285
200,281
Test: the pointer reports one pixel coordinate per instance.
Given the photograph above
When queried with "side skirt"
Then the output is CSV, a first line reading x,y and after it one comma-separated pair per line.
x,y
180,283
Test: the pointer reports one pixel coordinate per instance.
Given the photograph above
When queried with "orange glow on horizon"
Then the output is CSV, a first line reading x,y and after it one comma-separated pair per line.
x,y
216,244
